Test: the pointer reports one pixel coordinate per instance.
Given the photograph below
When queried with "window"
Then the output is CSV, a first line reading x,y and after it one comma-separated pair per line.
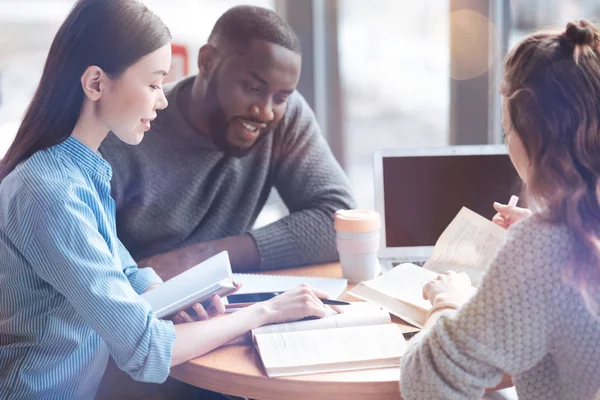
x,y
27,28
530,15
394,61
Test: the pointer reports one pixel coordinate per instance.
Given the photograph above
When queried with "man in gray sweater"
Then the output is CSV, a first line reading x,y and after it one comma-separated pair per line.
x,y
202,174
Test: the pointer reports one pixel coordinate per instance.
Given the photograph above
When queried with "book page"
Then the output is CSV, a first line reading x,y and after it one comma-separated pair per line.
x,y
406,311
404,282
357,314
294,353
467,245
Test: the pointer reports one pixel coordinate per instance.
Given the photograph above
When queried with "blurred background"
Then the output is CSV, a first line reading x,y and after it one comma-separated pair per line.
x,y
378,73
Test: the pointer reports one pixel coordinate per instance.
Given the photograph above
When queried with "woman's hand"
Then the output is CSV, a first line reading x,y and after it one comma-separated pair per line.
x,y
198,312
449,286
507,215
295,304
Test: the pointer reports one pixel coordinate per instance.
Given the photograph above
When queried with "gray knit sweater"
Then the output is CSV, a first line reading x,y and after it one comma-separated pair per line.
x,y
176,188
523,320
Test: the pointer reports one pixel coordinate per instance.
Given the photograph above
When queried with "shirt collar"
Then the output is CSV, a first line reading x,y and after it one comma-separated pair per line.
x,y
87,158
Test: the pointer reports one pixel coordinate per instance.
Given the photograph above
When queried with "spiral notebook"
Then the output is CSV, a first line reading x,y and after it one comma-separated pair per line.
x,y
257,283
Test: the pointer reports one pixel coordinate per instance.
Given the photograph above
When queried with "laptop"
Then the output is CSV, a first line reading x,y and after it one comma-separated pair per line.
x,y
419,191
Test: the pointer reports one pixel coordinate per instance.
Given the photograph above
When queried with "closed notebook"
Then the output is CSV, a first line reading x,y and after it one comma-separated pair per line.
x,y
362,337
467,245
196,285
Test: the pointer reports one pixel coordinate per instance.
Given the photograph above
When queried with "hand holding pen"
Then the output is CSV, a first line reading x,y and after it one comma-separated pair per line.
x,y
508,214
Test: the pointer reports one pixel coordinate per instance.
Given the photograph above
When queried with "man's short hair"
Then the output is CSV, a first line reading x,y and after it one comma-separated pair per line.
x,y
243,24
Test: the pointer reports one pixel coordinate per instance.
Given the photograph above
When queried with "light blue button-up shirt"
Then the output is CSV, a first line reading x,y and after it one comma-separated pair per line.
x,y
69,290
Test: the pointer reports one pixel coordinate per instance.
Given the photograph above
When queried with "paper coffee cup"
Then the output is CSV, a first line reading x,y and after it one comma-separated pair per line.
x,y
357,238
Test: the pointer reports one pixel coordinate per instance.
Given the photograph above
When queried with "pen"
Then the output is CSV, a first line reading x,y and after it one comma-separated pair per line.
x,y
325,301
513,201
335,302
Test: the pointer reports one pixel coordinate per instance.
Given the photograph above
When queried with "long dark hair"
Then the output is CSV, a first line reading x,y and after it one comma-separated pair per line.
x,y
110,34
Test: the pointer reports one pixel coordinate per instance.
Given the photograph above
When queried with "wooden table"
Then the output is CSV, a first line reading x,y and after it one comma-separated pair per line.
x,y
237,369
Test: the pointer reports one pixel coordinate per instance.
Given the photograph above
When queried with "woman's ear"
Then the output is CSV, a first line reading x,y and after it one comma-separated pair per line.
x,y
207,57
92,82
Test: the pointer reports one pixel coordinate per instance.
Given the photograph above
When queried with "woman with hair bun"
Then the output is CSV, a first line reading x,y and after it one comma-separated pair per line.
x,y
536,315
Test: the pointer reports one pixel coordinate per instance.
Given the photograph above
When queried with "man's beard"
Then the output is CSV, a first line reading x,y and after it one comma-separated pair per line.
x,y
218,124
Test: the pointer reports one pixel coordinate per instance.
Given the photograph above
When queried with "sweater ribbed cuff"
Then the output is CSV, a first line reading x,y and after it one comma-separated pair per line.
x,y
275,247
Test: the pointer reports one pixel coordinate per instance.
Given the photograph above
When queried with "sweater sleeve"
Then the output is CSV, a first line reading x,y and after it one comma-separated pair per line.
x,y
505,327
312,185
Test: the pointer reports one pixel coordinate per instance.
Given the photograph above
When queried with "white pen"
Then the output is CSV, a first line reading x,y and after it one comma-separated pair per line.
x,y
513,201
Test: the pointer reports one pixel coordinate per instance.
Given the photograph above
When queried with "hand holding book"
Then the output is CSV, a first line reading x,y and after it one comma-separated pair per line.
x,y
202,312
449,287
198,311
467,245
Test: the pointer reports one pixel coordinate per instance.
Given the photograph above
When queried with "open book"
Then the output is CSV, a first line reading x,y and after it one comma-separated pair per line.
x,y
196,285
362,337
467,245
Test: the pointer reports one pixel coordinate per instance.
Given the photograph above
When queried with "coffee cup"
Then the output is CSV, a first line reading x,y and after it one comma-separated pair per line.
x,y
357,239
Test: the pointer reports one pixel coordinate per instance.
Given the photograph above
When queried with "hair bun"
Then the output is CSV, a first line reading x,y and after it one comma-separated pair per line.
x,y
581,32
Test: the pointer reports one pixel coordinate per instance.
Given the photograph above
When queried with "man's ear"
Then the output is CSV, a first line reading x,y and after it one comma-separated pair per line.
x,y
207,58
92,82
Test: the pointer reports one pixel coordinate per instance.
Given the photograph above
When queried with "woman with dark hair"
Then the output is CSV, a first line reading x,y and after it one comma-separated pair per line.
x,y
69,290
536,315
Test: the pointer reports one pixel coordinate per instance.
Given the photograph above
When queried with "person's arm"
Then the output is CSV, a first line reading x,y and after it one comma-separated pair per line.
x,y
453,301
141,279
67,251
504,328
312,185
243,255
198,338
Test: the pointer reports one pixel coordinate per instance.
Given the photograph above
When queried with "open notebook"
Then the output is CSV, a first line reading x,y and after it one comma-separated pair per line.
x,y
362,337
467,245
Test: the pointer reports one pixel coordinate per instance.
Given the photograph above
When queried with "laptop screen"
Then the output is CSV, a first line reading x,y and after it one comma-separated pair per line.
x,y
422,194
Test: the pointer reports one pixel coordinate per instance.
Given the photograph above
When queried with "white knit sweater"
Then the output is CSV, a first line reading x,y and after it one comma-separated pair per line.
x,y
523,320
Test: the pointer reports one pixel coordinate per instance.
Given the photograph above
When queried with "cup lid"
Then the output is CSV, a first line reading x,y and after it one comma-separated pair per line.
x,y
358,220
